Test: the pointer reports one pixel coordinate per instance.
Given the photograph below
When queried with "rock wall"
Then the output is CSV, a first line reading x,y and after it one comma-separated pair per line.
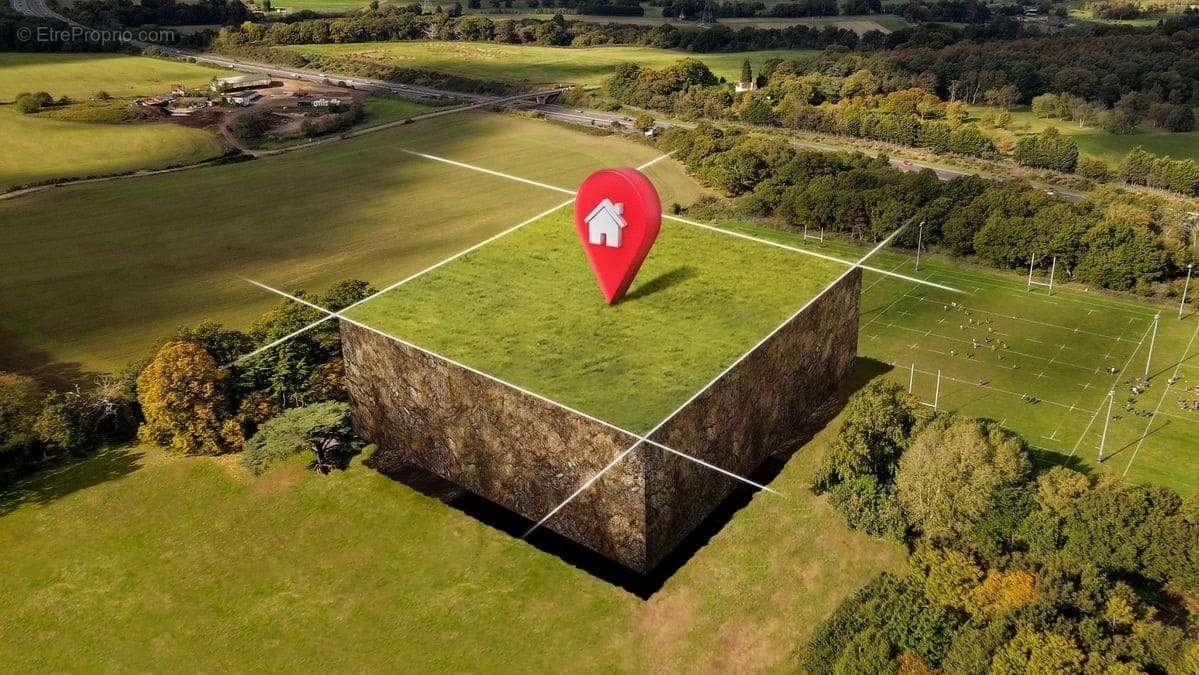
x,y
764,405
528,455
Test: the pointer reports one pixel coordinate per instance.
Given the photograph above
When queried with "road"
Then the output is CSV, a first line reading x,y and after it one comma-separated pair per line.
x,y
551,111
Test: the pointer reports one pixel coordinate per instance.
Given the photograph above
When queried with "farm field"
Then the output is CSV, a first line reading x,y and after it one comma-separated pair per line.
x,y
1054,349
34,148
149,254
534,65
1110,148
535,315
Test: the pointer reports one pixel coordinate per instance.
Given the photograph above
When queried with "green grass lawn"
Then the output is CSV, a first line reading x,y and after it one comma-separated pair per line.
x,y
97,273
136,560
529,64
35,148
1099,144
1058,349
527,309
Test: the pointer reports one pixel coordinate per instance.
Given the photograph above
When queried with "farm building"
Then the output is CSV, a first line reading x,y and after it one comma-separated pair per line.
x,y
239,82
243,98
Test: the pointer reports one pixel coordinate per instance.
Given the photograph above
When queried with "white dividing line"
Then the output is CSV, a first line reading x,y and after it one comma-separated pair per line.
x,y
772,333
641,438
814,254
581,489
1116,382
987,387
339,314
480,169
1035,323
401,282
1165,391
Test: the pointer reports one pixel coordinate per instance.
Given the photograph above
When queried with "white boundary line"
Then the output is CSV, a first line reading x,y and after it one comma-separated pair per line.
x,y
772,333
1115,383
814,254
475,247
480,169
1185,352
641,438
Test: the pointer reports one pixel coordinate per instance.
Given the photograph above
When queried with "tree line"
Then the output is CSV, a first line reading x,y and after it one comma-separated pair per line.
x,y
1111,240
1010,569
194,394
861,104
116,13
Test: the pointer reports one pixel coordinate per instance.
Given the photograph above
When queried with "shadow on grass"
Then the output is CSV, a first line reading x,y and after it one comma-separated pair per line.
x,y
661,282
67,477
601,567
18,357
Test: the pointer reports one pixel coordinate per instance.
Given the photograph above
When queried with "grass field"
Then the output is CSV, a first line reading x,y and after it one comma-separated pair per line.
x,y
135,560
1110,148
536,318
528,64
126,262
34,148
1057,351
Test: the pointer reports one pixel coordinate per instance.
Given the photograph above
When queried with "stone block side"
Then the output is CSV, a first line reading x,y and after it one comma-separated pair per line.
x,y
761,407
504,445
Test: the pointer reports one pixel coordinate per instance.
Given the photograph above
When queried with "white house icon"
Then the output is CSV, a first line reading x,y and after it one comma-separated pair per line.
x,y
604,224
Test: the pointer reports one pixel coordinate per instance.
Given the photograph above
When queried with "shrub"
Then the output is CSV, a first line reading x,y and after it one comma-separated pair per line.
x,y
1094,169
30,103
323,428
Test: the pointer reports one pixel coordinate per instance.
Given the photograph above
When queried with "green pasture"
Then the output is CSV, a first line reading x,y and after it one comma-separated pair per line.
x,y
534,65
97,273
1102,145
1000,344
534,316
140,561
36,148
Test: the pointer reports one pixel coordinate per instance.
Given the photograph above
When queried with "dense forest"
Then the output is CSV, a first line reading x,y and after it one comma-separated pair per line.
x,y
1011,569
1110,240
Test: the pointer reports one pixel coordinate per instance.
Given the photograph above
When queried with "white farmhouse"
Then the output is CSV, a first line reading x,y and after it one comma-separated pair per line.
x,y
604,224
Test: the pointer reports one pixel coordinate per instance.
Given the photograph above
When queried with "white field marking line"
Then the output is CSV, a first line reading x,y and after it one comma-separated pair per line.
x,y
1161,400
987,387
480,169
814,254
876,281
894,302
1006,351
1012,287
580,490
1034,322
1086,387
772,333
401,282
1115,383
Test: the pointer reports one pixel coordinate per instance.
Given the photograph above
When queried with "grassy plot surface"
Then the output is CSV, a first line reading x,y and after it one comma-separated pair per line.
x,y
529,64
136,560
999,344
526,309
35,148
1110,148
97,273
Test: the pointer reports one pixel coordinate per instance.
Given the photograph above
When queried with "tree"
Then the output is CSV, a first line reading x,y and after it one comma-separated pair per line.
x,y
878,421
643,122
747,73
1048,150
30,103
63,424
323,428
181,397
20,405
953,471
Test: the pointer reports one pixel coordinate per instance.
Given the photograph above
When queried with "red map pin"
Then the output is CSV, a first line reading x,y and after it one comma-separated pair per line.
x,y
618,214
